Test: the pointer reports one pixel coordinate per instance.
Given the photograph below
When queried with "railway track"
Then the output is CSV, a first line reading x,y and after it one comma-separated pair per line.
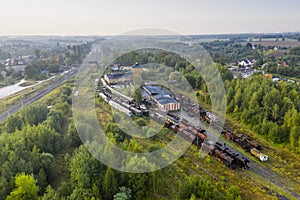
x,y
35,97
257,168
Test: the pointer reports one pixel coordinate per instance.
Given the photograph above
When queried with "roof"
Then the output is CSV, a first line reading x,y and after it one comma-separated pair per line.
x,y
136,65
160,94
118,76
164,99
156,90
244,71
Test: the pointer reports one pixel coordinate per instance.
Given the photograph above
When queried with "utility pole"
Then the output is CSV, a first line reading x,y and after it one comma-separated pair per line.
x,y
22,103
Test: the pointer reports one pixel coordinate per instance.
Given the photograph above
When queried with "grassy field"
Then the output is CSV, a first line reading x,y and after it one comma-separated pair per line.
x,y
28,83
14,99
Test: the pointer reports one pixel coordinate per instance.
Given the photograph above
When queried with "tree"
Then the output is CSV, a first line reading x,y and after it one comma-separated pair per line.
x,y
249,45
56,120
115,130
50,194
35,114
42,180
1,77
37,53
109,184
13,123
141,122
233,193
197,187
85,169
294,136
137,95
123,194
26,188
73,139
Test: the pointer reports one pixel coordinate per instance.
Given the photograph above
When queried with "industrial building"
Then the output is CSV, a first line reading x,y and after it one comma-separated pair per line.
x,y
119,77
161,96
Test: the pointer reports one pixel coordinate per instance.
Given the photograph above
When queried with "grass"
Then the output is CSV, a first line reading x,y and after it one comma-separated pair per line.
x,y
28,83
281,160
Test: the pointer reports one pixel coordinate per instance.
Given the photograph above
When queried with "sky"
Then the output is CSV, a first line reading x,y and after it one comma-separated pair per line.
x,y
112,17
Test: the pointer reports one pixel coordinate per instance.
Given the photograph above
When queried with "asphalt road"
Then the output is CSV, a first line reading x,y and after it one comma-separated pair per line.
x,y
36,96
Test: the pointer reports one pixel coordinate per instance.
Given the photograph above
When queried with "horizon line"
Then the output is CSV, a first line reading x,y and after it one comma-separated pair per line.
x,y
122,34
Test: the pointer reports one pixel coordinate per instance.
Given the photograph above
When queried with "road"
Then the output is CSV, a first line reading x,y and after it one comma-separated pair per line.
x,y
36,96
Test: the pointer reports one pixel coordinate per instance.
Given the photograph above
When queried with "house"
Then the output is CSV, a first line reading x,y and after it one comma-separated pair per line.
x,y
16,64
246,62
245,72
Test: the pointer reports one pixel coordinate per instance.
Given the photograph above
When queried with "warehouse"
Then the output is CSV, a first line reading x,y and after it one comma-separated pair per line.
x,y
161,96
115,78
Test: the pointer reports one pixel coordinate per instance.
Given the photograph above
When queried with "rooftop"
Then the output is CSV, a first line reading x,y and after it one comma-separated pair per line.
x,y
156,90
159,94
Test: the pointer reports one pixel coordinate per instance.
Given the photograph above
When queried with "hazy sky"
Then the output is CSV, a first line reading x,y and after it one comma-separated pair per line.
x,y
109,17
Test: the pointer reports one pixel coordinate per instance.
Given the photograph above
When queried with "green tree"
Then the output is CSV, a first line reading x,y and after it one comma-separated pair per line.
x,y
13,123
37,53
85,169
50,194
56,120
34,114
26,188
137,95
123,194
199,188
42,180
233,193
110,184
295,136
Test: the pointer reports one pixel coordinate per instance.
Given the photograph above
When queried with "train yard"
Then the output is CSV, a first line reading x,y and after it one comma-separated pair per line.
x,y
195,134
225,152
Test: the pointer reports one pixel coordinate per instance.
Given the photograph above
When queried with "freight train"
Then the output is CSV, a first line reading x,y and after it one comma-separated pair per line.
x,y
120,107
198,136
135,111
115,92
228,156
108,94
244,141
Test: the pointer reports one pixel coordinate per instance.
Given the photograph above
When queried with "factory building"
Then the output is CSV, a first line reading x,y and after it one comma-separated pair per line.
x,y
115,78
161,96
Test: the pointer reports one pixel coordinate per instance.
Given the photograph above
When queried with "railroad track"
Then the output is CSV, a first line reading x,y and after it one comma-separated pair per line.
x,y
35,97
264,172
